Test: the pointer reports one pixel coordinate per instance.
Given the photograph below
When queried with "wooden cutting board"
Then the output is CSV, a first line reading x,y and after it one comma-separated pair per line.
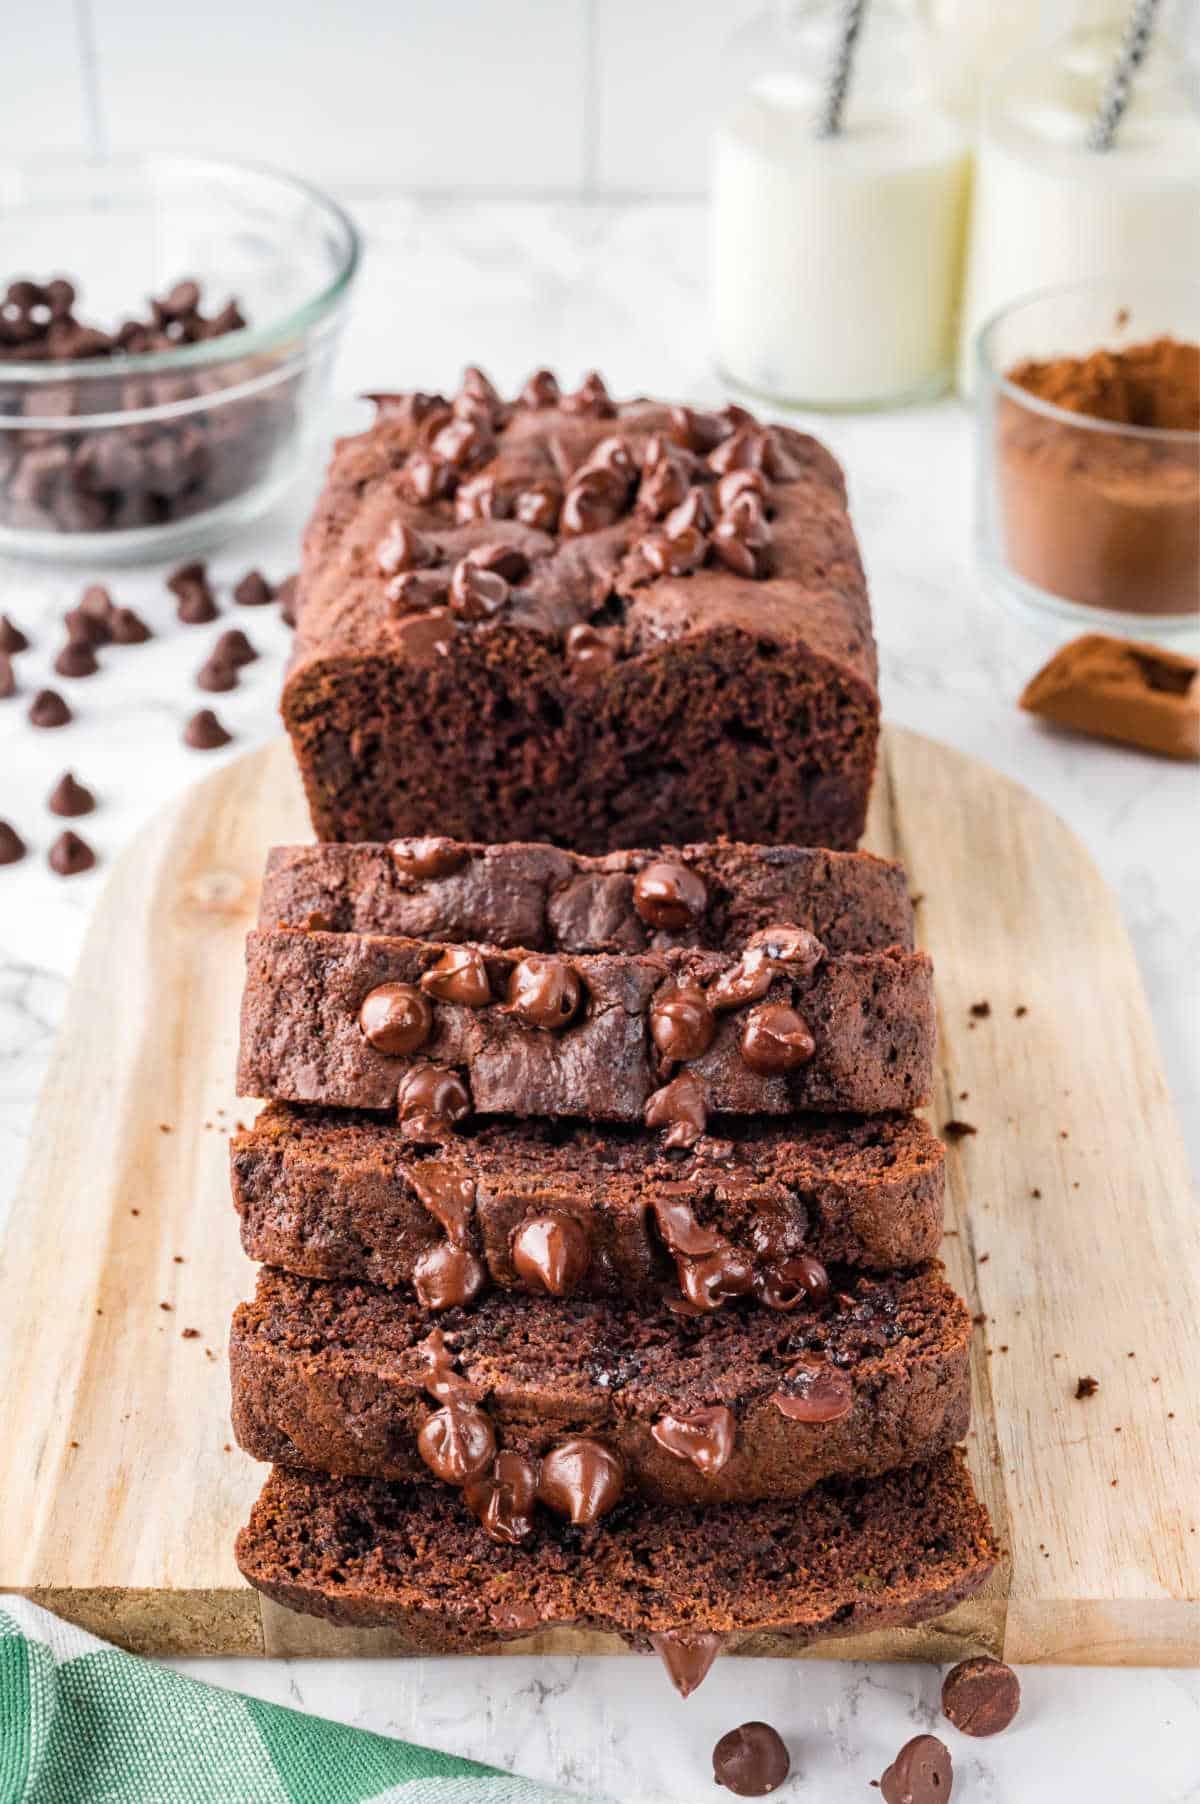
x,y
1070,1229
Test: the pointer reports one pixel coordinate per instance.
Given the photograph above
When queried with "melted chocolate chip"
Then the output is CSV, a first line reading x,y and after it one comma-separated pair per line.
x,y
746,981
70,798
476,593
431,857
430,1100
794,947
449,1196
681,1022
751,1761
12,846
581,1479
48,709
425,637
544,992
441,1377
981,1696
591,648
705,1437
552,1253
508,561
681,1232
503,1500
820,1393
459,975
679,1108
446,1276
669,896
787,1284
204,732
70,855
776,1038
688,1655
457,1442
416,592
396,1019
710,1282
921,1773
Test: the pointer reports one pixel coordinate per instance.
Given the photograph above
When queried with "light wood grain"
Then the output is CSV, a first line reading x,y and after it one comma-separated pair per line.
x,y
120,1496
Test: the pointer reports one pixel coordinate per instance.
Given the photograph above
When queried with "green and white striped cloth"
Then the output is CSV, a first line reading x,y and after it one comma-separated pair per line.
x,y
83,1723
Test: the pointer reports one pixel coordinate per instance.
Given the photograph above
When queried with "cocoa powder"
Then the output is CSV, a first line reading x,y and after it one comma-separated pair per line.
x,y
1103,518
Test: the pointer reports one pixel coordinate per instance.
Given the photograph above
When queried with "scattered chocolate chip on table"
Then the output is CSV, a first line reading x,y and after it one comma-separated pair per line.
x,y
70,798
70,855
981,1696
751,1761
12,846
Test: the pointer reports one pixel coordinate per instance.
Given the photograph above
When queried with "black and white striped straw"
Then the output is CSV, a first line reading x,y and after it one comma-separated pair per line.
x,y
838,83
1134,45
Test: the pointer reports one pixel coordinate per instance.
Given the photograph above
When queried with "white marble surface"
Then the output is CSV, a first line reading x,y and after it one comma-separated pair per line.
x,y
511,286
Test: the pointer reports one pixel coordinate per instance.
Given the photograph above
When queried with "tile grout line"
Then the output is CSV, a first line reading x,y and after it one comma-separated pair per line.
x,y
95,130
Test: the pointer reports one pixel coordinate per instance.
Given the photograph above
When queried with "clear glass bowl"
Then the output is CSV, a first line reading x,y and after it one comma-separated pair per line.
x,y
116,458
1091,520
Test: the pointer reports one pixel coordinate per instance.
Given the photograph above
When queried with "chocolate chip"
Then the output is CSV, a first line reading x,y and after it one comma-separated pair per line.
x,y
681,1022
745,449
552,1253
581,1479
674,554
920,1774
475,593
741,482
459,975
699,432
417,592
590,397
48,709
233,648
746,981
688,1655
981,1696
403,548
544,992
1086,1387
504,1498
446,1276
92,619
457,1442
595,499
216,675
678,1107
8,677
431,857
958,1130
396,1019
195,603
776,1038
591,649
12,846
426,479
751,1761
482,498
70,855
741,538
703,1436
12,639
785,1285
204,732
76,659
681,1232
538,505
663,486
669,896
70,798
819,1393
692,515
507,560
709,1283
541,390
793,947
430,1100
287,596
128,628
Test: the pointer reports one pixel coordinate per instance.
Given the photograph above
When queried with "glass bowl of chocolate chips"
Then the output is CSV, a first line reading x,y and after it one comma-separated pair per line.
x,y
167,332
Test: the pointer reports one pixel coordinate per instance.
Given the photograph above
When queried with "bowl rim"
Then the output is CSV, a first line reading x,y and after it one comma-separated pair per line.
x,y
989,377
230,346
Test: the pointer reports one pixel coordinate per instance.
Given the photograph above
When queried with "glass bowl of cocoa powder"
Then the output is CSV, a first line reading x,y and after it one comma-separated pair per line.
x,y
1088,466
167,331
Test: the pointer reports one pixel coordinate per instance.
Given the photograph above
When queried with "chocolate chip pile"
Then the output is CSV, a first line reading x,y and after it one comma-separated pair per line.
x,y
92,625
63,474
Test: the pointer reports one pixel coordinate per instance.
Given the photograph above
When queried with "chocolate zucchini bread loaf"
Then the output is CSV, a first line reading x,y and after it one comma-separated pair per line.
x,y
332,1195
866,1375
381,1022
547,900
595,624
851,1555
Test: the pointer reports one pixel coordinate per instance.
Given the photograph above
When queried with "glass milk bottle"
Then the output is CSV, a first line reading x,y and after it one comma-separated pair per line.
x,y
1050,209
837,254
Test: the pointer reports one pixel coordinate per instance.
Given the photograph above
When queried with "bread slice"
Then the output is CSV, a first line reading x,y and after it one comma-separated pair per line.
x,y
333,1195
855,1554
549,900
870,1019
335,1376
